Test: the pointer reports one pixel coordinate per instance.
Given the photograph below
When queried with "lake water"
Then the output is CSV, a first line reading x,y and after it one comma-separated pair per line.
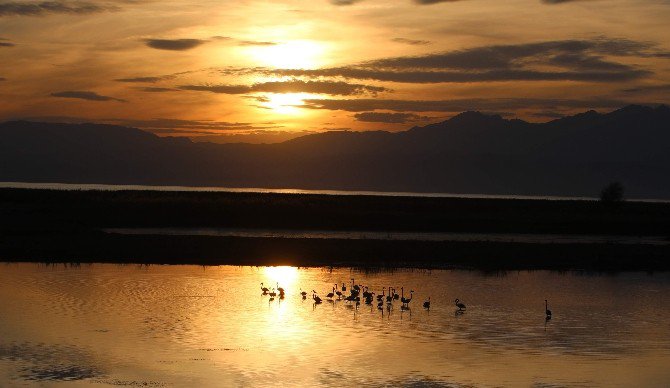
x,y
190,326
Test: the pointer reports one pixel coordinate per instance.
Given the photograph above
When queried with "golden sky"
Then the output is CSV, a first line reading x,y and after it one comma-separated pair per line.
x,y
265,71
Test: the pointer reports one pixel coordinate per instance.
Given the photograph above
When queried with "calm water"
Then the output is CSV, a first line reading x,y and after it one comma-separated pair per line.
x,y
191,326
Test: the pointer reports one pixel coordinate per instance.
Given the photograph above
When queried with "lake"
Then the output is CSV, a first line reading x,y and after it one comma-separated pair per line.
x,y
127,325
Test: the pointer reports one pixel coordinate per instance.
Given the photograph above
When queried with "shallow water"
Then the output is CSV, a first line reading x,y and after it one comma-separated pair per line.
x,y
191,326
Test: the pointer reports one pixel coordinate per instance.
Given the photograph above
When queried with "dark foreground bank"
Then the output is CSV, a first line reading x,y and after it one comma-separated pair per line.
x,y
65,226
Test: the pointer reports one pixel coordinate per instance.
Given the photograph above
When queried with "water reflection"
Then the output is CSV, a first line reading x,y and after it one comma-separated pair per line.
x,y
212,326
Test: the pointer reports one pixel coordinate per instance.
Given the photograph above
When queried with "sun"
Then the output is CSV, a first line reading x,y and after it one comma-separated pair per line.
x,y
284,103
296,54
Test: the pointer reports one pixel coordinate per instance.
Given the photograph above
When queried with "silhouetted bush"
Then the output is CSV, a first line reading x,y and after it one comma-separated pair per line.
x,y
612,193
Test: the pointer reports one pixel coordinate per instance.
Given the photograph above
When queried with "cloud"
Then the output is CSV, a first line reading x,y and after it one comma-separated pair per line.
x,y
152,89
255,43
344,2
413,42
391,118
565,60
648,88
291,86
42,8
174,44
458,105
429,2
85,95
140,79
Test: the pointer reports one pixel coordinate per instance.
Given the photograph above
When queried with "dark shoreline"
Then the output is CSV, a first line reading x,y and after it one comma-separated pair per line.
x,y
64,226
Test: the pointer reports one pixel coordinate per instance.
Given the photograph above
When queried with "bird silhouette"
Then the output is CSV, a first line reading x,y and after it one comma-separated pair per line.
x,y
460,305
338,292
405,301
381,297
264,289
331,294
426,304
273,293
547,311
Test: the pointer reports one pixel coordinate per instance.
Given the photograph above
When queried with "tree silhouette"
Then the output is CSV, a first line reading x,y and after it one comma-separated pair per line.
x,y
612,193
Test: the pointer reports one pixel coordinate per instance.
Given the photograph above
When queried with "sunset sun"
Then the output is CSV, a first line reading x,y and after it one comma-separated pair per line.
x,y
297,54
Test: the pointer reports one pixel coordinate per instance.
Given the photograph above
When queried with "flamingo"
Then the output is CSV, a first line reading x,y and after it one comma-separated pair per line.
x,y
389,297
426,304
273,293
303,293
316,298
264,289
338,292
331,294
406,301
344,287
281,290
546,308
381,297
460,305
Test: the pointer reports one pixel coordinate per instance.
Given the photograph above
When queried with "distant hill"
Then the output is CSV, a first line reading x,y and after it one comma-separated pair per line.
x,y
469,153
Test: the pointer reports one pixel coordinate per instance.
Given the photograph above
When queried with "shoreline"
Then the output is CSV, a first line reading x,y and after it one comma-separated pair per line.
x,y
65,226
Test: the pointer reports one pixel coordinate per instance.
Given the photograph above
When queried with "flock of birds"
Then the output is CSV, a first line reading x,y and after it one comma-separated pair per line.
x,y
356,291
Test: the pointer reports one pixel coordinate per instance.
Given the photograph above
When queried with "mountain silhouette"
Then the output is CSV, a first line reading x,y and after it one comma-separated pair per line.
x,y
469,153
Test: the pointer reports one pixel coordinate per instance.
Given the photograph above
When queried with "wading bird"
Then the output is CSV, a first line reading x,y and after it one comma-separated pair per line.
x,y
426,304
273,293
331,294
264,289
338,292
460,305
405,301
547,311
316,298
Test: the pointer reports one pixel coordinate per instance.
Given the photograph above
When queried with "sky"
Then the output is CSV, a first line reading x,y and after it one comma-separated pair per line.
x,y
267,71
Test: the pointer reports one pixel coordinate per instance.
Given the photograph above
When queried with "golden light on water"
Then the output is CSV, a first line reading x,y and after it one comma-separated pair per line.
x,y
285,276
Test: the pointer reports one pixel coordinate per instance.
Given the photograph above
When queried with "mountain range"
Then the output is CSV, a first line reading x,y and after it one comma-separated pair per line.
x,y
469,153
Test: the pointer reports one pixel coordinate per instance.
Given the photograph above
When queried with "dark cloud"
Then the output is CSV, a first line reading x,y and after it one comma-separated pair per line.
x,y
429,2
344,2
459,105
413,42
648,88
291,86
140,79
559,1
157,90
568,60
174,44
42,8
391,118
255,43
85,95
